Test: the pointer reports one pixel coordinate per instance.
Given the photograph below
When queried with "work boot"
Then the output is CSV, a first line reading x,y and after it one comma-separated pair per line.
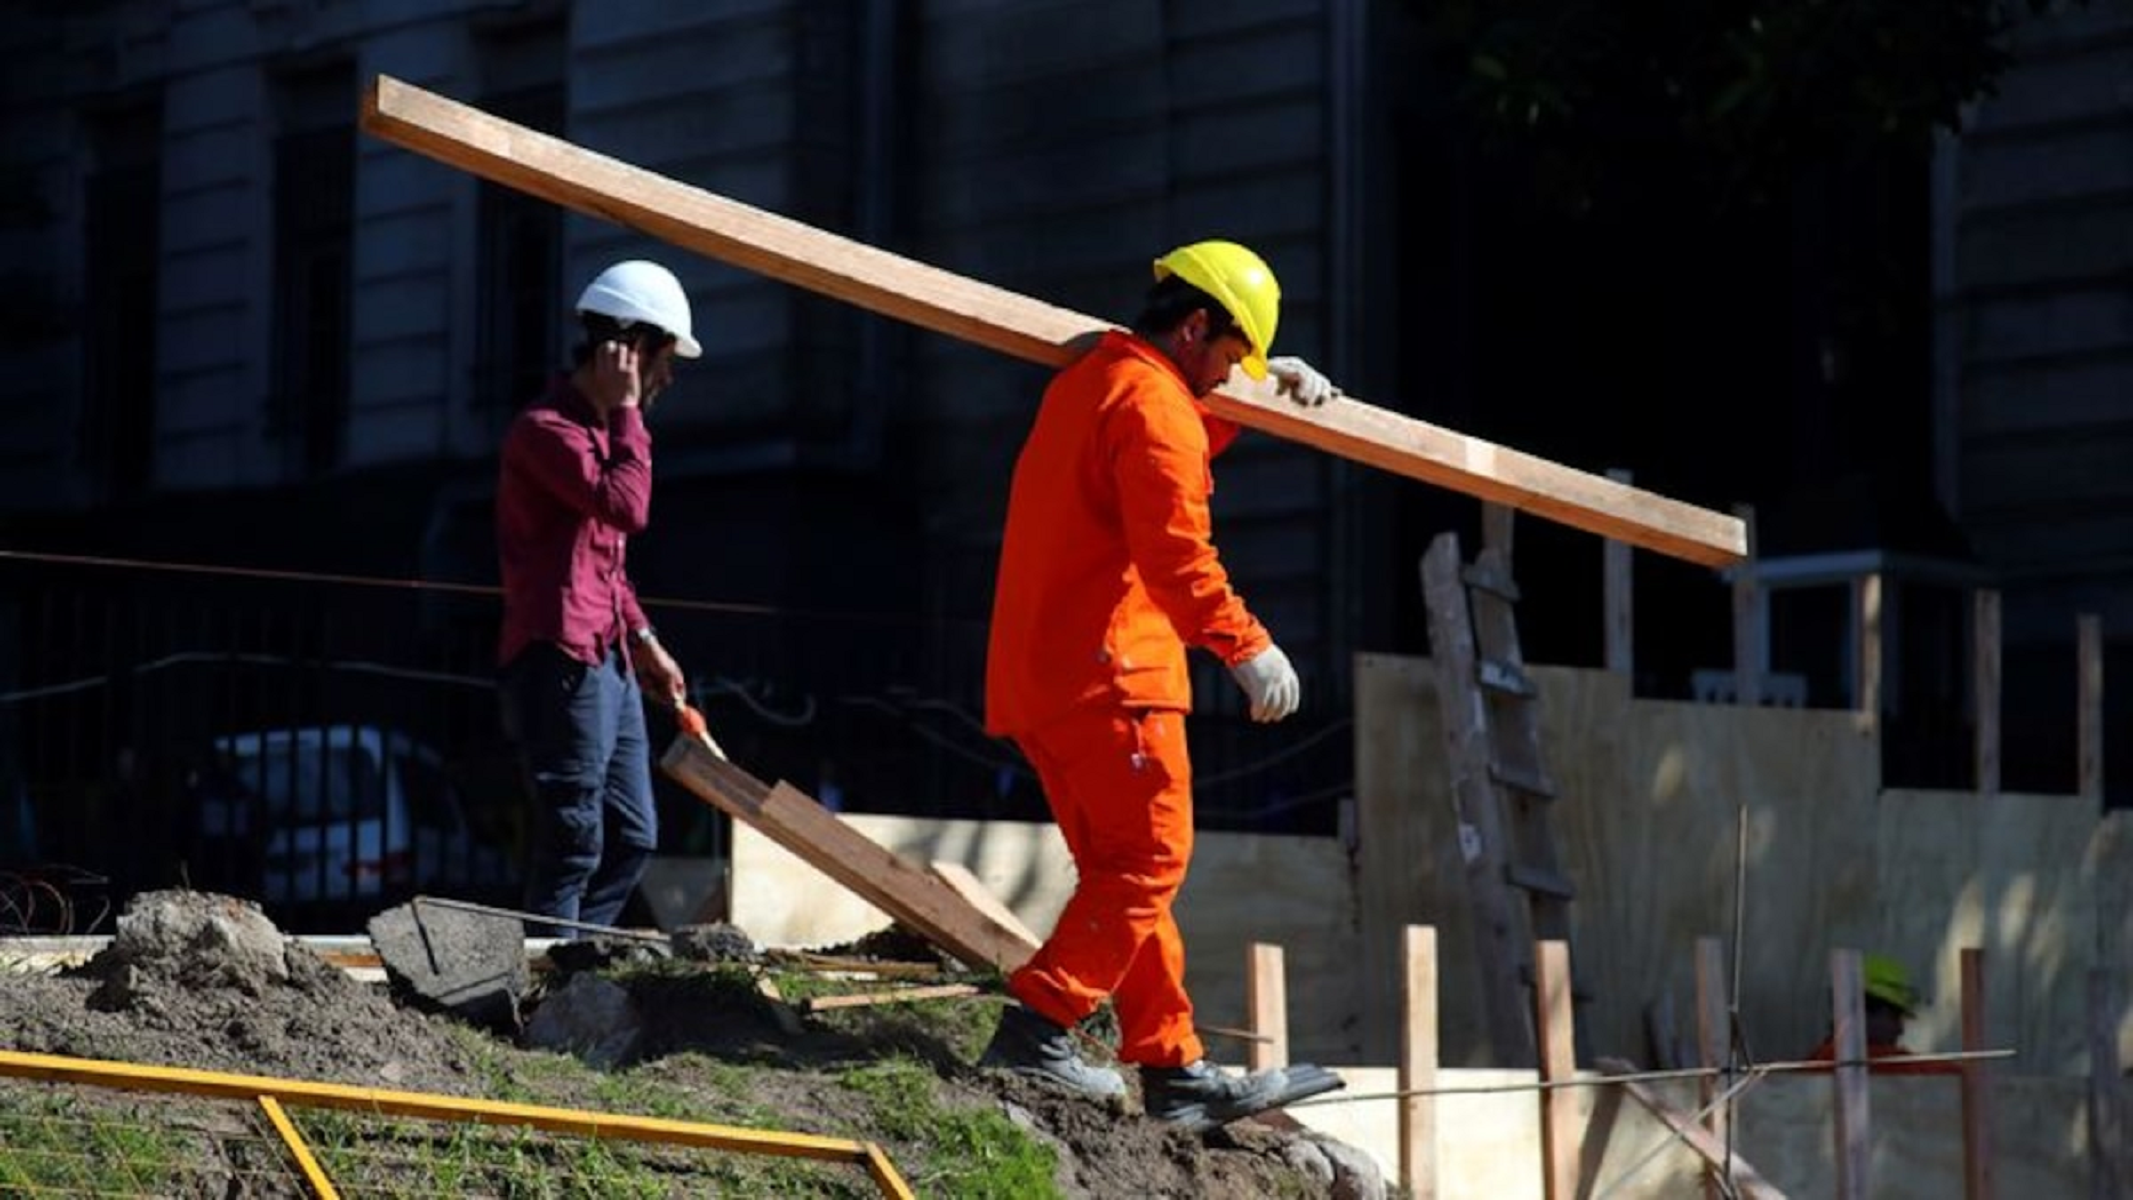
x,y
1032,1046
1202,1095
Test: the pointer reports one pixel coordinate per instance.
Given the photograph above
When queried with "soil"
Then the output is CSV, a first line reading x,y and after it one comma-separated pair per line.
x,y
204,981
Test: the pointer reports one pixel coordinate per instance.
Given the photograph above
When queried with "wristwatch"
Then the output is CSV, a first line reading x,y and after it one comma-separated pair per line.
x,y
643,635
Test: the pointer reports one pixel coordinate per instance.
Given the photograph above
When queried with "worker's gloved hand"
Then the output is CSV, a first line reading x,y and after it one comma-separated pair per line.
x,y
1270,683
1301,381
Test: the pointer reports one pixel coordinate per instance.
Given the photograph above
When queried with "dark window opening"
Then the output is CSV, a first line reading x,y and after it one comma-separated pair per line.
x,y
519,248
314,203
122,242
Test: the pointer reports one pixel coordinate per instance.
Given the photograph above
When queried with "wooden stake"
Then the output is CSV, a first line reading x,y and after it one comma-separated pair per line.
x,y
1977,1084
2108,1178
1618,597
1561,1142
1749,632
795,253
1713,1047
1266,996
1854,1146
2089,705
1418,1062
1866,680
1985,687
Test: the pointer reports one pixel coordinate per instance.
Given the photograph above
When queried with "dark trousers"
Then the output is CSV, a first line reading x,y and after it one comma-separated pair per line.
x,y
581,741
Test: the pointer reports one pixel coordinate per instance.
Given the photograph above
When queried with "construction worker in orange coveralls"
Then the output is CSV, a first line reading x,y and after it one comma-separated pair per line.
x,y
1107,573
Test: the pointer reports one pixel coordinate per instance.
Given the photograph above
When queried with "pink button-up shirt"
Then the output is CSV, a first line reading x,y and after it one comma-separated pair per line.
x,y
572,490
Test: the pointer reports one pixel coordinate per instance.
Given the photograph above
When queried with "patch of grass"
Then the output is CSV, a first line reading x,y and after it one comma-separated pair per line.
x,y
57,1146
964,1153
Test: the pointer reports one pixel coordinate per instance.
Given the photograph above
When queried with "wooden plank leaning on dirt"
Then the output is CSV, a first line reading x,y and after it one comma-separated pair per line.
x,y
906,891
799,254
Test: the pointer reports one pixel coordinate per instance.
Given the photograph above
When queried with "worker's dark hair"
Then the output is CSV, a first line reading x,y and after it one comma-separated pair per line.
x,y
1172,300
599,328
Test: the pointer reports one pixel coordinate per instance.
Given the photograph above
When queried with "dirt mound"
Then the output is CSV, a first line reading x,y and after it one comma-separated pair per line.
x,y
207,981
199,980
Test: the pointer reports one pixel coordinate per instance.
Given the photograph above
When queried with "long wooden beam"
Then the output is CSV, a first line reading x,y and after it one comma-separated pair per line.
x,y
939,300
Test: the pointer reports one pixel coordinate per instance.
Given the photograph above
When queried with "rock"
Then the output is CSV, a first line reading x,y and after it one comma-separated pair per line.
x,y
590,1017
197,938
1355,1174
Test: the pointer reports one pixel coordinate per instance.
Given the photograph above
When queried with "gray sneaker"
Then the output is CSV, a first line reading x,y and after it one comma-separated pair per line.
x,y
1201,1096
1032,1046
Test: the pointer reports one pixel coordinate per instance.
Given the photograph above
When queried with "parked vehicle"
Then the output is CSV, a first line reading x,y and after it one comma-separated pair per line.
x,y
341,812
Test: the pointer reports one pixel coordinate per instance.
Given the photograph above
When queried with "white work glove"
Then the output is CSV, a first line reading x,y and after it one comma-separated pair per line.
x,y
1301,381
1270,683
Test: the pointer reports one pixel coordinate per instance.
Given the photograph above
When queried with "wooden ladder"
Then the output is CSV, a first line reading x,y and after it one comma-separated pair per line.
x,y
1501,788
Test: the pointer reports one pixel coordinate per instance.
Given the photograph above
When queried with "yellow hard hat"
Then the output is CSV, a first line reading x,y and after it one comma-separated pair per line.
x,y
1240,282
1888,982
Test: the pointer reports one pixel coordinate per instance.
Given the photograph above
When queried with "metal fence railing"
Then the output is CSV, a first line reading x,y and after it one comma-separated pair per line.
x,y
330,746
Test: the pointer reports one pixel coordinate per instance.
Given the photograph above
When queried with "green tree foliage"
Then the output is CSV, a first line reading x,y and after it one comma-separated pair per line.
x,y
1745,91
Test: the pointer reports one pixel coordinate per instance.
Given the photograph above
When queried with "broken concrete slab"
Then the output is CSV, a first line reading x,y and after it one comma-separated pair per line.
x,y
470,964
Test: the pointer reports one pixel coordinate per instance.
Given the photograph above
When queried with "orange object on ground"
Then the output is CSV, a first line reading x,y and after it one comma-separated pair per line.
x,y
1120,787
1107,567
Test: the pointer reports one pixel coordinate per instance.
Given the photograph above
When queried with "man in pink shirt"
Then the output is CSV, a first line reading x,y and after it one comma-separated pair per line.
x,y
576,648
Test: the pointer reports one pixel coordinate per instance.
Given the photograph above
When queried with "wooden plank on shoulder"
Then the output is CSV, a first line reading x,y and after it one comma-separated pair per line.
x,y
905,890
781,248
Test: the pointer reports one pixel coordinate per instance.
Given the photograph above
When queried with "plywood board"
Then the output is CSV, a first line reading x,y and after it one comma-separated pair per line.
x,y
795,253
1488,1146
2040,1136
1648,828
2035,881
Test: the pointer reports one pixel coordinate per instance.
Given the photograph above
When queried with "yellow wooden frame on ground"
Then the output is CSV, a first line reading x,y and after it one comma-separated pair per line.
x,y
272,1094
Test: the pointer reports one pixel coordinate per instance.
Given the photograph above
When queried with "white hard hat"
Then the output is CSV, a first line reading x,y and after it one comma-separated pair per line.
x,y
637,290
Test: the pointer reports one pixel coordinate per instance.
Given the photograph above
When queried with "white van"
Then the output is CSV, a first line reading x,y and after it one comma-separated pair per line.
x,y
341,812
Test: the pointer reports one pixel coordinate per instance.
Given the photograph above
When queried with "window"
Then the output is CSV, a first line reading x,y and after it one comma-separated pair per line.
x,y
519,255
122,233
314,204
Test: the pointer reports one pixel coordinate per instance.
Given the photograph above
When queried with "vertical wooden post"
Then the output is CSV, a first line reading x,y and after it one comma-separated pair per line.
x,y
2089,710
1418,1062
1866,668
1618,598
1853,1148
2107,1140
1556,1026
1985,687
1977,1084
1748,624
1266,995
1713,1046
1497,523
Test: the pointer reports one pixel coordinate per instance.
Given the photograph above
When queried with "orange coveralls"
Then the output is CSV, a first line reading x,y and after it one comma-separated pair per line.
x,y
1107,572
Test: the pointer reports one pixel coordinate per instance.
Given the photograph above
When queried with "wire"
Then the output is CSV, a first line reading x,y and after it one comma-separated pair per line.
x,y
187,657
433,585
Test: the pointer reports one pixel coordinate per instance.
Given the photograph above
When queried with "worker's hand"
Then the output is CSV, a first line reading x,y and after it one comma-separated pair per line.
x,y
1270,683
615,379
658,675
1301,382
